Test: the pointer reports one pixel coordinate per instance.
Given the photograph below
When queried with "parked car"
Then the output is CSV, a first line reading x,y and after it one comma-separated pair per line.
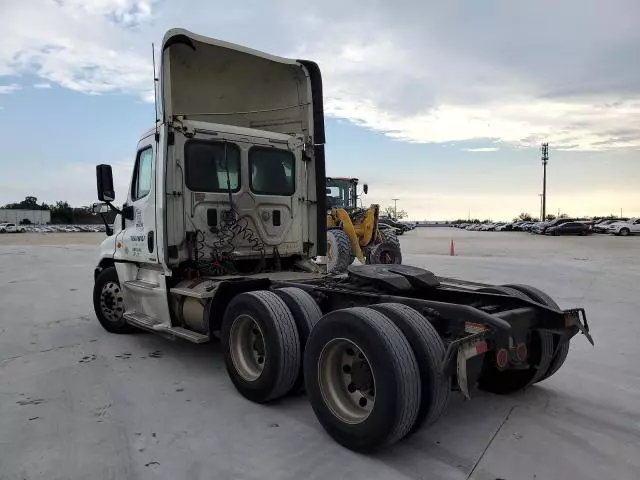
x,y
630,227
554,223
568,228
400,228
602,226
384,227
12,228
507,227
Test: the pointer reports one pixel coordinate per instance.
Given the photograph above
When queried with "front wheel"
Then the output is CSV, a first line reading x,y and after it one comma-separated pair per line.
x,y
339,254
624,232
108,302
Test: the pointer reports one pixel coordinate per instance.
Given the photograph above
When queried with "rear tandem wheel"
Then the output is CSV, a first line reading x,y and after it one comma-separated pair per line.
x,y
262,350
429,351
540,355
561,349
362,378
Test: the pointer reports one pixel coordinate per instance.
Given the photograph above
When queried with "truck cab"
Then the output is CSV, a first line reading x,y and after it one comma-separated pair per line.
x,y
226,183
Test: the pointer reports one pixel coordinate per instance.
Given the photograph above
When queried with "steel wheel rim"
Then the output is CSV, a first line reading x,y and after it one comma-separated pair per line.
x,y
346,380
111,302
247,347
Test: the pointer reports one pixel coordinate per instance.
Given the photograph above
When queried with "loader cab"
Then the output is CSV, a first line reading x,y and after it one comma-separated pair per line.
x,y
231,178
342,192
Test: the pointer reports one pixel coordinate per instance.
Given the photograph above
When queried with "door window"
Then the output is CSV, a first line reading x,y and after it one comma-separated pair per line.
x,y
142,175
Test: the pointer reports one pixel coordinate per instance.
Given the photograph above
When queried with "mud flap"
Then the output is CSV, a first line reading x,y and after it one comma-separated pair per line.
x,y
469,365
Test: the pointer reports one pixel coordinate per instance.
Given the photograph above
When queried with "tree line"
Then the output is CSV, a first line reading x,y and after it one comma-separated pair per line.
x,y
61,212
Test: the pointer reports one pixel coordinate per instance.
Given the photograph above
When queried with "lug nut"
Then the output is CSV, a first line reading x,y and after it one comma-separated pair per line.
x,y
351,387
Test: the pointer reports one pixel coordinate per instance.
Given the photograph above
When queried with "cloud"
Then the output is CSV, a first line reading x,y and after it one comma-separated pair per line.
x,y
7,89
42,85
87,46
422,72
481,149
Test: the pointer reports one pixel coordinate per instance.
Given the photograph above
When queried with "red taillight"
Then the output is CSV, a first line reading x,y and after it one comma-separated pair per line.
x,y
502,357
521,352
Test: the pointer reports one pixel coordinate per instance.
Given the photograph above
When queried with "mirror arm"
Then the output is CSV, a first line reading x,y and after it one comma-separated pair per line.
x,y
114,208
109,230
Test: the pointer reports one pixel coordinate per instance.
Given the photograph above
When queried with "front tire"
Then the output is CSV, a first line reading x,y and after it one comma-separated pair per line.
x,y
339,254
108,302
624,232
362,379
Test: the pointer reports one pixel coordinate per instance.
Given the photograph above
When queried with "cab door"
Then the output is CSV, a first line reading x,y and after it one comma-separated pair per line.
x,y
137,241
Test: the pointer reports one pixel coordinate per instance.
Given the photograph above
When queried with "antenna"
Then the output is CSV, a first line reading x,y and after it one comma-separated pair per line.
x,y
155,89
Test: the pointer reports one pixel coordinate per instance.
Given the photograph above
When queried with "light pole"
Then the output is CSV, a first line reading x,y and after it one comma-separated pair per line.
x,y
545,159
395,207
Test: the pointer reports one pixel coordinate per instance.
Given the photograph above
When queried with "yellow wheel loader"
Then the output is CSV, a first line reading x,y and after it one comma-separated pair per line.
x,y
353,231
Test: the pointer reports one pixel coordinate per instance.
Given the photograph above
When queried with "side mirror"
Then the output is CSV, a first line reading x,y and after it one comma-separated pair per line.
x,y
104,177
365,188
99,208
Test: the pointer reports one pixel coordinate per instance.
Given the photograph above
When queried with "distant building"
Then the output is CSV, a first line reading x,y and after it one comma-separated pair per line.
x,y
37,217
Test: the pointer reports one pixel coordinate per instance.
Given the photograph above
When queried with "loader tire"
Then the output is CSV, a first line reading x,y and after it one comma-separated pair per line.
x,y
429,351
108,303
504,382
390,237
561,349
306,314
362,379
339,255
385,253
261,345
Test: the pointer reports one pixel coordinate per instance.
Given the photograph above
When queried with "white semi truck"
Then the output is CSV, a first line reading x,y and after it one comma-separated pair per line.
x,y
223,216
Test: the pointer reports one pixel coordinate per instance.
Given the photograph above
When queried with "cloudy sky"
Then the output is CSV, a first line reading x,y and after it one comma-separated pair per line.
x,y
441,104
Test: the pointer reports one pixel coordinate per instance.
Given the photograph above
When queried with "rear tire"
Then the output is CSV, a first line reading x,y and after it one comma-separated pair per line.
x,y
385,253
540,347
429,351
624,232
561,350
261,346
108,302
306,313
339,255
390,237
362,379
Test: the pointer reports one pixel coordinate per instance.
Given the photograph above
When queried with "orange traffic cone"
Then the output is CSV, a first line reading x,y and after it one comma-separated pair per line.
x,y
452,249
